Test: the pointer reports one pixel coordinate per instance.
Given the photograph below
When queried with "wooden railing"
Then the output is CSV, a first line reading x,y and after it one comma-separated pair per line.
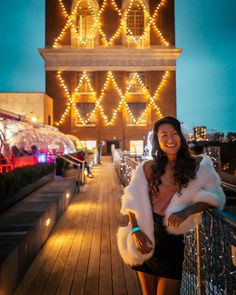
x,y
80,166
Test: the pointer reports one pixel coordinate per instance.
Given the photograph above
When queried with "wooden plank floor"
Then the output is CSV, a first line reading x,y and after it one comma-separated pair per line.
x,y
81,255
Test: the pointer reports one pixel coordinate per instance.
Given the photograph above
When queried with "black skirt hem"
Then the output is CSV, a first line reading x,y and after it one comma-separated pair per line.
x,y
168,255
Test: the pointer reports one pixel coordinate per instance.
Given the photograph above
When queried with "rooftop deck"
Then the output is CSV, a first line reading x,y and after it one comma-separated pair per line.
x,y
81,255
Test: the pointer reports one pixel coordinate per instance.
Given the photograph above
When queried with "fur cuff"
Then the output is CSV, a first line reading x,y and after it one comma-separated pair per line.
x,y
127,248
215,198
186,226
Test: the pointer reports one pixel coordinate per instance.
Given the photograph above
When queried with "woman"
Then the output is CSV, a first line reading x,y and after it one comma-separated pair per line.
x,y
163,201
81,156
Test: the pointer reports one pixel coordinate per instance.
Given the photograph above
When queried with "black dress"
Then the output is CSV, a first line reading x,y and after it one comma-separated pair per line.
x,y
168,256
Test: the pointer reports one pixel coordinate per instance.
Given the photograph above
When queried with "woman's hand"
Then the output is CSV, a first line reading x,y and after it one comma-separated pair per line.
x,y
175,219
142,242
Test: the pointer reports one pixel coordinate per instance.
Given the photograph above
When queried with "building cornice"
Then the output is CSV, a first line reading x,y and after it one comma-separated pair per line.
x,y
115,59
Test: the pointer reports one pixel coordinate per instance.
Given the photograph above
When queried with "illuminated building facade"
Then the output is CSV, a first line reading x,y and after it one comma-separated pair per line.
x,y
110,67
200,132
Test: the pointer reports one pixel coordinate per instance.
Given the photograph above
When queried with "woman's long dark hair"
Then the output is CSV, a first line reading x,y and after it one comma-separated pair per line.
x,y
185,165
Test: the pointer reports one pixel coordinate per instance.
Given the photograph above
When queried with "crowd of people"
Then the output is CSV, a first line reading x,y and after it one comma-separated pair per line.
x,y
9,153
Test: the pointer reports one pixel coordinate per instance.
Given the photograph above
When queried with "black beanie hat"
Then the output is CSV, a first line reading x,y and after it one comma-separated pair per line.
x,y
171,120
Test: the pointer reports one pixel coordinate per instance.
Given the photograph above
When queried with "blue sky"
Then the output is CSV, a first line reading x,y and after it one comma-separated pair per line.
x,y
206,70
206,81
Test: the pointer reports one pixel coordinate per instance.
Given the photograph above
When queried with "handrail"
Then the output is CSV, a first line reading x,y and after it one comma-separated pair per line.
x,y
82,167
226,217
76,159
229,186
132,161
210,269
78,166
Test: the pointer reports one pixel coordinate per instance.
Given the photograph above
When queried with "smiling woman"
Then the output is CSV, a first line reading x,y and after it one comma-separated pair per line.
x,y
163,201
169,140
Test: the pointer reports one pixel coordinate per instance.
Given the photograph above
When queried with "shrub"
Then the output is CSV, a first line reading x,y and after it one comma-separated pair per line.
x,y
12,182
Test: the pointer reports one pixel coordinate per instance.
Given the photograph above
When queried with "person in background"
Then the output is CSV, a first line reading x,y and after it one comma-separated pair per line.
x,y
15,151
3,160
146,151
195,149
81,156
35,150
24,152
164,200
7,153
99,151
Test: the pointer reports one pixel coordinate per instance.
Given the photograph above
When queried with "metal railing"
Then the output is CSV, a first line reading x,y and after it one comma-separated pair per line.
x,y
210,256
74,161
125,166
209,266
80,166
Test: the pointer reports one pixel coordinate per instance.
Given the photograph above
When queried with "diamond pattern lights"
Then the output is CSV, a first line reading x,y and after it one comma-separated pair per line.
x,y
98,109
122,27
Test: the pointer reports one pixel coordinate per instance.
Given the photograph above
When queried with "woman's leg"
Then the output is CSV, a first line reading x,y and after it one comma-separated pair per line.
x,y
87,167
148,283
168,286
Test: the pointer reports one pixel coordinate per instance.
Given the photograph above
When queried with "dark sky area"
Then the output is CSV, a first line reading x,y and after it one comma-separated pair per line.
x,y
206,70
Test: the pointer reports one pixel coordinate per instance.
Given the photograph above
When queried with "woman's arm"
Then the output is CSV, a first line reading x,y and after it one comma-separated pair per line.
x,y
132,220
142,242
175,219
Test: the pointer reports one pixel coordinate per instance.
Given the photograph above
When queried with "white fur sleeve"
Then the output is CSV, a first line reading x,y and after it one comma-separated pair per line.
x,y
211,191
208,190
216,197
136,200
134,193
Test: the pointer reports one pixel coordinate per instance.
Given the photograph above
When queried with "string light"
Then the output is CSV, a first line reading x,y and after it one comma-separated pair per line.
x,y
122,27
118,31
110,79
67,93
63,8
69,23
98,101
85,39
126,170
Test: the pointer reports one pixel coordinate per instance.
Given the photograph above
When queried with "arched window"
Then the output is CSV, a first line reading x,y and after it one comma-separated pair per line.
x,y
83,30
136,22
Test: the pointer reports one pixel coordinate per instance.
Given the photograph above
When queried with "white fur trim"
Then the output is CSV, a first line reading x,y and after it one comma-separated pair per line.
x,y
127,248
204,188
136,200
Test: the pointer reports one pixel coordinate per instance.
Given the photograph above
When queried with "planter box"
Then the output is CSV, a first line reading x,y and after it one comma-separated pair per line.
x,y
9,201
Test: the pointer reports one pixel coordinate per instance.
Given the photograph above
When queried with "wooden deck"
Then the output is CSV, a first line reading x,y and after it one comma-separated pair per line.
x,y
81,255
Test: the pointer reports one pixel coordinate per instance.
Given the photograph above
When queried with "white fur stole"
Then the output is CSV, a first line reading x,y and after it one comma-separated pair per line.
x,y
204,188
